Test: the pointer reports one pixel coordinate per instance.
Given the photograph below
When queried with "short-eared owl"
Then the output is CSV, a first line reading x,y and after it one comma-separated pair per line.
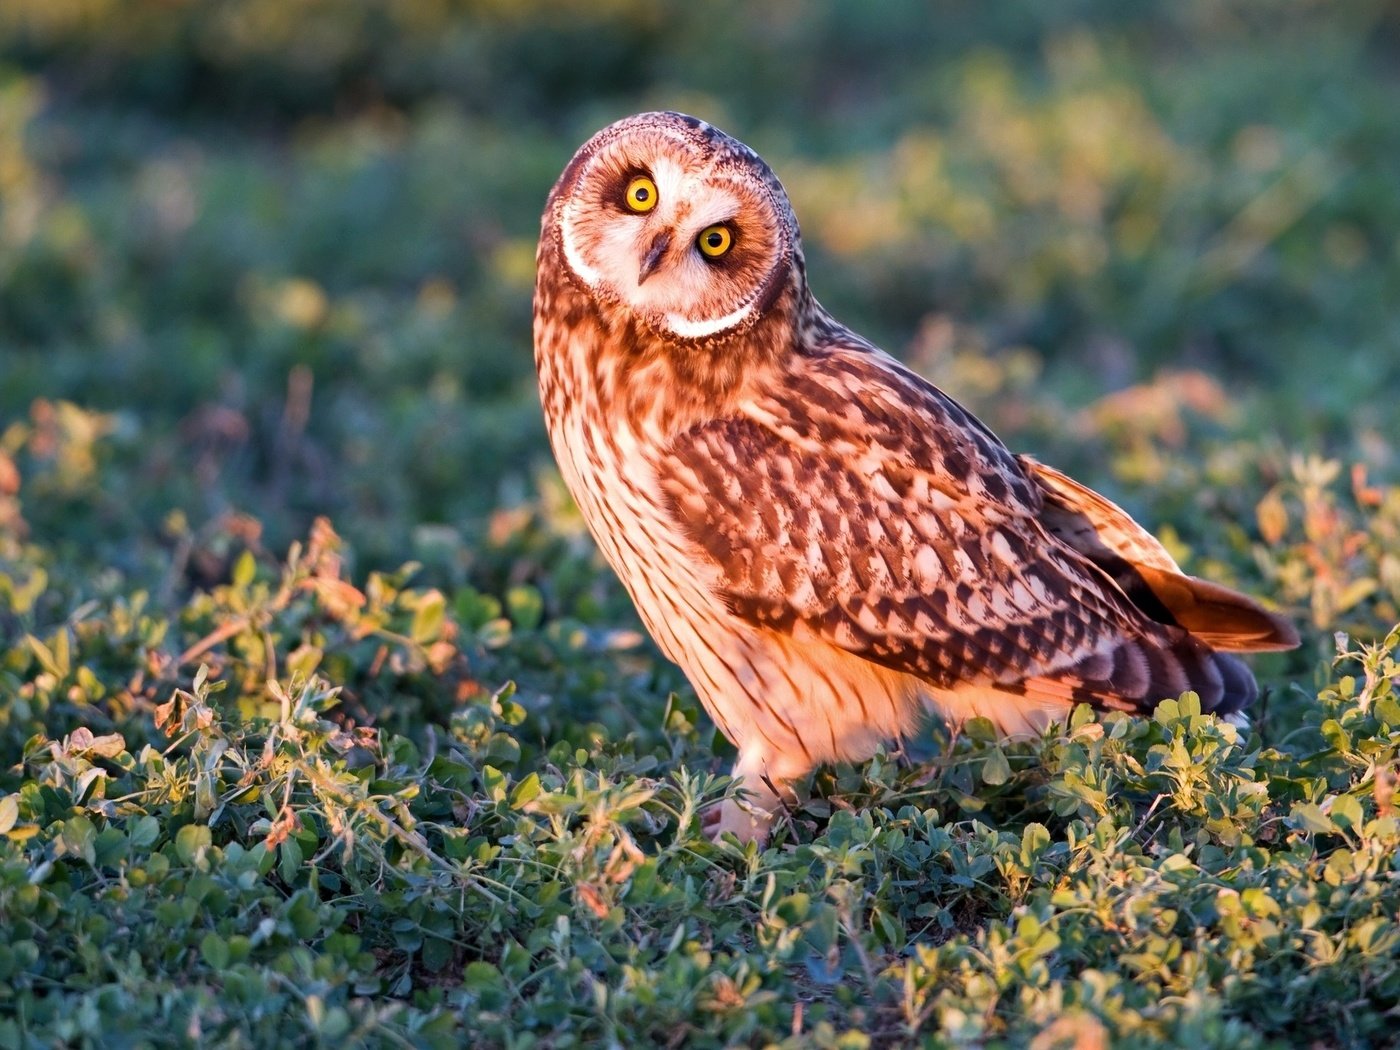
x,y
826,543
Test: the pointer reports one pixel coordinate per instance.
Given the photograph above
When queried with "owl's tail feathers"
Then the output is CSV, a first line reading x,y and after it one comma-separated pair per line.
x,y
1218,616
1099,530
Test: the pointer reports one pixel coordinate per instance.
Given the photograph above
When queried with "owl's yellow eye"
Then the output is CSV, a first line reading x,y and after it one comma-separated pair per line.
x,y
641,194
715,240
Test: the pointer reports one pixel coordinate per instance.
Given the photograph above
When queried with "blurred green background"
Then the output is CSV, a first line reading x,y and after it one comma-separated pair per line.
x,y
280,252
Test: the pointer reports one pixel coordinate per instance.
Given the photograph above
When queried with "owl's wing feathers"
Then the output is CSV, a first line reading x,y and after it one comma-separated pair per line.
x,y
1104,533
862,505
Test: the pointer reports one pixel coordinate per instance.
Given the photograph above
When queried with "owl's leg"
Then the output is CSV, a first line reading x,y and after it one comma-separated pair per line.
x,y
747,821
750,818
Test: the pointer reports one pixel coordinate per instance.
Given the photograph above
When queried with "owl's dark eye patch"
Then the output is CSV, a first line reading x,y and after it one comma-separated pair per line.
x,y
717,241
635,192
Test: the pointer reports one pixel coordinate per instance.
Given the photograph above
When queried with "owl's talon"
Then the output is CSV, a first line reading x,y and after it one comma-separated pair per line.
x,y
746,823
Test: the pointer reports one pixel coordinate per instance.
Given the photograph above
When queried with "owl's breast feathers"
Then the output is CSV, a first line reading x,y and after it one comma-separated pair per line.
x,y
856,503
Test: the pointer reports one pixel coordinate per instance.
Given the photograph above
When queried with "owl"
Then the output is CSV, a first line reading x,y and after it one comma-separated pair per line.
x,y
827,544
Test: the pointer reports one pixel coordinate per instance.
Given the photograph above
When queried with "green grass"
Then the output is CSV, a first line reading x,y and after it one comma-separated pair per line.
x,y
240,859
417,778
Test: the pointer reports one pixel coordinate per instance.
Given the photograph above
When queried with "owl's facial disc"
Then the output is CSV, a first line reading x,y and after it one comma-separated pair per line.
x,y
683,228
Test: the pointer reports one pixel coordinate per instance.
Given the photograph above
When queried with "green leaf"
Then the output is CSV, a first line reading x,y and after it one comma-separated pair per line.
x,y
289,861
981,730
143,832
45,656
1354,593
1335,735
245,568
191,840
437,953
1366,933
995,768
77,839
1307,817
890,931
215,950
1387,710
494,781
480,975
87,784
1034,839
1346,812
428,617
474,609
525,606
525,791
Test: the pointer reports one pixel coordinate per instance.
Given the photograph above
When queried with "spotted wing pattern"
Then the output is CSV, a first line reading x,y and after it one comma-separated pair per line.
x,y
861,504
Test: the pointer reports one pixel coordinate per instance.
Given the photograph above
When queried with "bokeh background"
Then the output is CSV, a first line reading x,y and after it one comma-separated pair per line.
x,y
274,258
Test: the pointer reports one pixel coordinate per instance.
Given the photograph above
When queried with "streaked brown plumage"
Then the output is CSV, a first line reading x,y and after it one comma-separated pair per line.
x,y
826,543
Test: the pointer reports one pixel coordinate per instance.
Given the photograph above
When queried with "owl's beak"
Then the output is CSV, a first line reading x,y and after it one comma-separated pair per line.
x,y
654,255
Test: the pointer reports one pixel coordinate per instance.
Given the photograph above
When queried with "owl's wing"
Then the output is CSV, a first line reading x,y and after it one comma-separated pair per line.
x,y
1103,532
863,505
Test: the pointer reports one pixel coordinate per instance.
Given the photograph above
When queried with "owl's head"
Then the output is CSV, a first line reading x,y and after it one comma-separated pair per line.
x,y
679,225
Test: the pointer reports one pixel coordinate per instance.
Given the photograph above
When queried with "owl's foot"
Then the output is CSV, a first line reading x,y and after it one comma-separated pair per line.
x,y
746,821
762,790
